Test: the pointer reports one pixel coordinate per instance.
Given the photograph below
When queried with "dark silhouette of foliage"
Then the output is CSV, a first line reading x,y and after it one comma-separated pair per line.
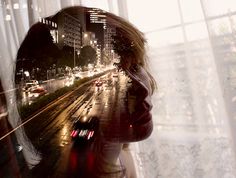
x,y
87,55
122,45
37,50
67,57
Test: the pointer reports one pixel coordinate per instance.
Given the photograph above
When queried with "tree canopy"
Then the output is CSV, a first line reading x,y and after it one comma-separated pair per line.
x,y
37,50
67,57
87,56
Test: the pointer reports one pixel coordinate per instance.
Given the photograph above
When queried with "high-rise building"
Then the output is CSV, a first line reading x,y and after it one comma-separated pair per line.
x,y
97,16
69,31
89,39
53,28
108,47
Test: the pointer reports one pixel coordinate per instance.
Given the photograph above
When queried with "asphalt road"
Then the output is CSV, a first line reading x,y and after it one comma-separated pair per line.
x,y
50,133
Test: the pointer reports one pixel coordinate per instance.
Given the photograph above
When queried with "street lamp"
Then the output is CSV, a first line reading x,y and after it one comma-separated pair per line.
x,y
85,38
27,74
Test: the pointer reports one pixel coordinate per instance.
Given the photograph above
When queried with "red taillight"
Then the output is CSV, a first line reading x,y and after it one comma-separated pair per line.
x,y
74,133
90,135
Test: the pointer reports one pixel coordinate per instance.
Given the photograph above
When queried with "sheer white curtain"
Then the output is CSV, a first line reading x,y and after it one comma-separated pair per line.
x,y
192,55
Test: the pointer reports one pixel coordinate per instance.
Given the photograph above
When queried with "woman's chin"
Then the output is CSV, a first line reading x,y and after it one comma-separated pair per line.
x,y
142,118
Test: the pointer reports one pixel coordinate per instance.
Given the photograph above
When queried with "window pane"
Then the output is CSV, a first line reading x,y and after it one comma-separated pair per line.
x,y
153,14
219,7
191,10
165,37
113,7
220,26
232,20
98,4
196,31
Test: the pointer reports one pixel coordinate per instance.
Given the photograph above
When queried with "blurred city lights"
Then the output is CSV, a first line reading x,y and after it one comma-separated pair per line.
x,y
8,6
24,6
8,17
16,6
26,73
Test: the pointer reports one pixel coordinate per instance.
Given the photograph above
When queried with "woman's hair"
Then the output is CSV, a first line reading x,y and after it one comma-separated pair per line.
x,y
128,43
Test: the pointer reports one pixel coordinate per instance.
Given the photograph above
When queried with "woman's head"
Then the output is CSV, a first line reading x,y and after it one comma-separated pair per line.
x,y
75,31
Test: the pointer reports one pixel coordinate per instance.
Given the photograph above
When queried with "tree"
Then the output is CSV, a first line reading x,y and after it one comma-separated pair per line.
x,y
67,57
87,55
37,50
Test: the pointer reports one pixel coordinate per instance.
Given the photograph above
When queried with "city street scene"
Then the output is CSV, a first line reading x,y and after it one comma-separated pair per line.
x,y
118,89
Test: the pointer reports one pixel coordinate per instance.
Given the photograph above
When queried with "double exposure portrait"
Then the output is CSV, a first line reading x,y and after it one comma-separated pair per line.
x,y
82,78
117,89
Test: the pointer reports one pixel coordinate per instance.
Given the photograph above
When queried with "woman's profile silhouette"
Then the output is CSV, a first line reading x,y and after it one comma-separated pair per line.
x,y
132,120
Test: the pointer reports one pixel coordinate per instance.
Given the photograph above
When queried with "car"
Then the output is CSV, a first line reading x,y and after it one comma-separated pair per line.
x,y
33,82
30,85
37,92
98,83
85,128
